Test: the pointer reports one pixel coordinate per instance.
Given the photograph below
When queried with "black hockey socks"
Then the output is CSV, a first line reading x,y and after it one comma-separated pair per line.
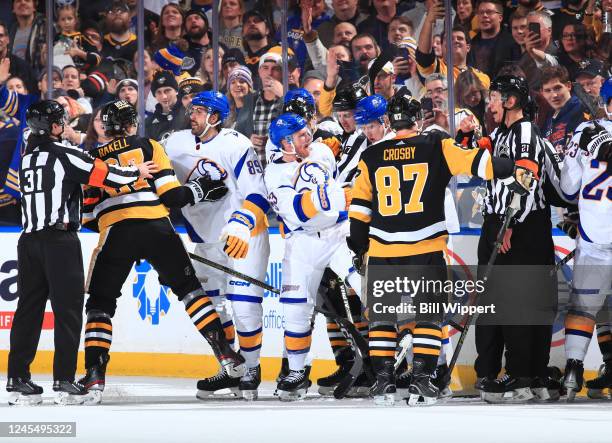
x,y
98,336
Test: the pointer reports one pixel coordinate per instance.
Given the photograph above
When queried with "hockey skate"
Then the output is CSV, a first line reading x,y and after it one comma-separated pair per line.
x,y
294,385
442,379
546,389
422,390
507,389
595,387
69,393
209,387
250,382
329,383
95,379
231,361
384,388
573,379
284,370
23,392
402,383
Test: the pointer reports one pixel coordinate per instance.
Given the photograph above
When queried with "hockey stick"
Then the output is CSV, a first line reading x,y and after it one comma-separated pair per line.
x,y
586,100
510,211
237,274
565,260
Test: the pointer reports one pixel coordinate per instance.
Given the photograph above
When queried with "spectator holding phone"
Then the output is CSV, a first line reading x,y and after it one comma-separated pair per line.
x,y
539,50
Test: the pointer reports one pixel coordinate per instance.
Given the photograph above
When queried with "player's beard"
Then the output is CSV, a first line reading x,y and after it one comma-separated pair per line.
x,y
197,129
255,36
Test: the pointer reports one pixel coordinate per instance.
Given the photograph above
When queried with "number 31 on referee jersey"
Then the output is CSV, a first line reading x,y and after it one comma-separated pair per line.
x,y
388,185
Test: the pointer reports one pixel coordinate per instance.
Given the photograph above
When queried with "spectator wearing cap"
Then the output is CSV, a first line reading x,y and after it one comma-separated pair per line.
x,y
196,33
492,46
162,122
127,89
428,63
230,25
119,42
382,76
171,26
343,11
189,88
261,106
256,38
239,85
232,58
173,59
206,68
567,111
302,22
377,24
10,64
574,44
27,33
590,75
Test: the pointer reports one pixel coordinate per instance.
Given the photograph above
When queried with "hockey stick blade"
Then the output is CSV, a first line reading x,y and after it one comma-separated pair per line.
x,y
236,274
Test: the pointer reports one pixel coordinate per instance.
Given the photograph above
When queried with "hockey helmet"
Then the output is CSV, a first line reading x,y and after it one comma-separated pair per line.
x,y
347,97
284,126
117,116
301,102
606,91
403,110
371,108
512,85
40,116
213,101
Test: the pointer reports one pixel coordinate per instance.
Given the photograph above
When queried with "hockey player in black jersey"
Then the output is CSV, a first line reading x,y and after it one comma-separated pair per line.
x,y
398,224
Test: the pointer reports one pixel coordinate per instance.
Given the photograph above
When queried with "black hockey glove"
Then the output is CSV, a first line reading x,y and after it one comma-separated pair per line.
x,y
359,258
569,225
206,190
594,136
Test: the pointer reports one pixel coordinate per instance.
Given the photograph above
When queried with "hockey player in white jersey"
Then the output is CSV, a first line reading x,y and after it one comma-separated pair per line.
x,y
586,177
312,206
232,232
371,116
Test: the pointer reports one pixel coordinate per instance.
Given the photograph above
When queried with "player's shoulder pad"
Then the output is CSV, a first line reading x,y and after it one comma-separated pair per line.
x,y
234,138
178,139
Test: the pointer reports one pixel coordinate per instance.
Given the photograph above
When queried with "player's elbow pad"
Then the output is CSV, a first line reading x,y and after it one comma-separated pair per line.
x,y
358,240
502,167
177,197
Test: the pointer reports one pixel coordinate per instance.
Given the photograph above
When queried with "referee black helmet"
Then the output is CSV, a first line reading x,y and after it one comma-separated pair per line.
x,y
117,117
40,116
512,85
347,97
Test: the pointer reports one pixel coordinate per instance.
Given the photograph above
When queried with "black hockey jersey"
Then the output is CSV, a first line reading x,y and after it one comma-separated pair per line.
x,y
400,190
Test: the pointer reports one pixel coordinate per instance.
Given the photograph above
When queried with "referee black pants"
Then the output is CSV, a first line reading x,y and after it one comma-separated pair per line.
x,y
527,346
50,266
126,242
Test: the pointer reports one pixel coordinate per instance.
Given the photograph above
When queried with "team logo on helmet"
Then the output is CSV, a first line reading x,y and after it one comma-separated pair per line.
x,y
209,168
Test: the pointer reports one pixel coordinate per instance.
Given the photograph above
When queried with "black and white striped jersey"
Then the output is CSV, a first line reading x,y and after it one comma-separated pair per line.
x,y
50,179
352,147
522,144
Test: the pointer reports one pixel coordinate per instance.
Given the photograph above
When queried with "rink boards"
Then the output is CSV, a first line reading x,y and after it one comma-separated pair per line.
x,y
153,336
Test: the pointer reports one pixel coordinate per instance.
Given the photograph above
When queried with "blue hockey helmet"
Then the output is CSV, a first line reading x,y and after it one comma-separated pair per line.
x,y
606,91
213,101
371,108
284,126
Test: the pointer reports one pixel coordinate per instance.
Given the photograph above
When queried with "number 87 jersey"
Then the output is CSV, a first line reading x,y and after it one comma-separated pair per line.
x,y
228,156
400,191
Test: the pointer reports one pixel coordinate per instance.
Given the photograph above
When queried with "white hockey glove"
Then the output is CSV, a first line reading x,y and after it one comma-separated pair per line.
x,y
332,197
593,137
206,190
237,233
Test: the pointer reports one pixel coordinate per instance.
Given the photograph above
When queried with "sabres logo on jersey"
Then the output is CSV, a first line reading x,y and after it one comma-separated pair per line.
x,y
310,175
153,300
208,168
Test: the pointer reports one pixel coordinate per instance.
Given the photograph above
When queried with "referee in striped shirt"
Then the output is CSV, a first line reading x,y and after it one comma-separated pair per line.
x,y
50,263
528,241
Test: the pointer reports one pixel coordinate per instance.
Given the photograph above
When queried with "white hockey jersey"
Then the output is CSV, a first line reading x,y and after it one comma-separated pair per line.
x,y
284,181
585,179
230,155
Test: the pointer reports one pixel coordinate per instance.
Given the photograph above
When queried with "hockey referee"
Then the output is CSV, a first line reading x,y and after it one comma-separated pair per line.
x,y
528,241
50,263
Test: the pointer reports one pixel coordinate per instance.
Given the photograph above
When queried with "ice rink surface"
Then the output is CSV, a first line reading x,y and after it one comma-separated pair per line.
x,y
137,409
